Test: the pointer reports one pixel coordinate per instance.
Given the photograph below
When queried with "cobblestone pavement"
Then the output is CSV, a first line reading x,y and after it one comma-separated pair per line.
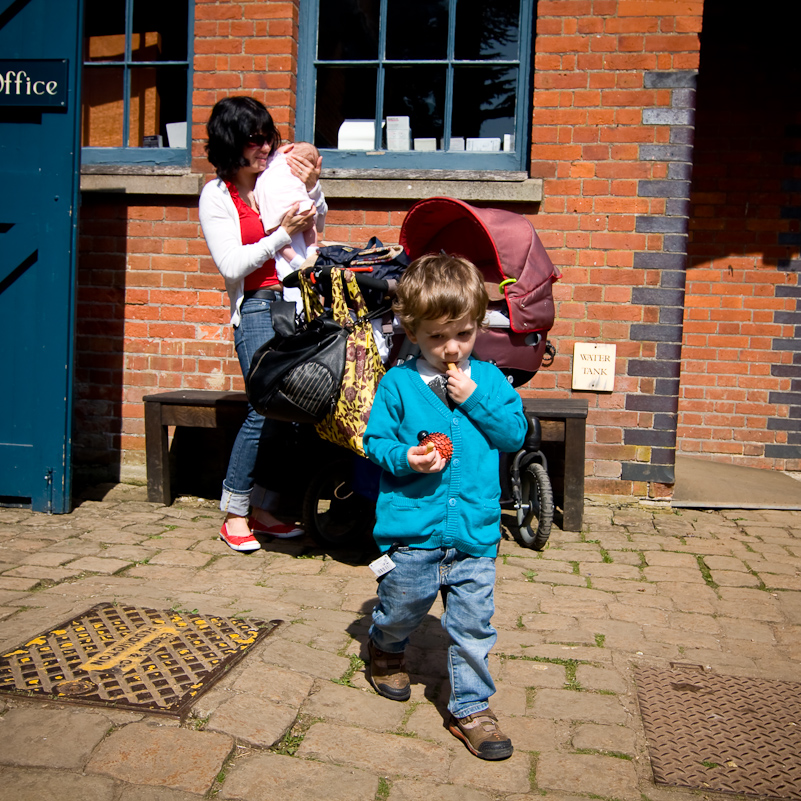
x,y
297,720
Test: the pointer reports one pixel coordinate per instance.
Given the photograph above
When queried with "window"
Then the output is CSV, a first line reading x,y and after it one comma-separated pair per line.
x,y
426,84
136,82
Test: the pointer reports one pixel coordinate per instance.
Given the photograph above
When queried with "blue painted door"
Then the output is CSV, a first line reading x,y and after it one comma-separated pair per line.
x,y
39,164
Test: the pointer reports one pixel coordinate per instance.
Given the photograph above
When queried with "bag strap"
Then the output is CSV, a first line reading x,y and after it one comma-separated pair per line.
x,y
312,305
339,305
356,297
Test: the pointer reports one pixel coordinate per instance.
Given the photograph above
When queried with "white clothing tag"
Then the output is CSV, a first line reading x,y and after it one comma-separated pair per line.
x,y
381,565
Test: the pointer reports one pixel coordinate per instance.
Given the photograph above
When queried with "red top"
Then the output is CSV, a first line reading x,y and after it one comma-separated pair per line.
x,y
252,232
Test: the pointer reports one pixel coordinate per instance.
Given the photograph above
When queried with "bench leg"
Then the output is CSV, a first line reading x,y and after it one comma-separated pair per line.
x,y
574,474
157,454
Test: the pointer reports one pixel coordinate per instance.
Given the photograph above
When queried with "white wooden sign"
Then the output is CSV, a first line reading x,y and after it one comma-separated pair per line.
x,y
594,366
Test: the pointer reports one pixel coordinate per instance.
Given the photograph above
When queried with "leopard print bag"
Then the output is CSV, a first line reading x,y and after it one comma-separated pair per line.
x,y
347,421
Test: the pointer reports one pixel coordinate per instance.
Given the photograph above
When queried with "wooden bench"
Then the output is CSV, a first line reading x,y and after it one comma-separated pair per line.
x,y
200,408
564,421
563,431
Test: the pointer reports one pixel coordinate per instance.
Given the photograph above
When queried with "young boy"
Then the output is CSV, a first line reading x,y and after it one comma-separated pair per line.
x,y
438,518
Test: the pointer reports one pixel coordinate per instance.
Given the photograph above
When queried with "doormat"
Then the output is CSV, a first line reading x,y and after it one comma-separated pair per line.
x,y
722,733
130,657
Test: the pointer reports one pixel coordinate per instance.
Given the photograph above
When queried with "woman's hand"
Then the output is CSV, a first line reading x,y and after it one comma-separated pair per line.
x,y
295,221
303,168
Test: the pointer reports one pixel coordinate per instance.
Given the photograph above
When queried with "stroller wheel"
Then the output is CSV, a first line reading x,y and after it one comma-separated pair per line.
x,y
535,517
332,512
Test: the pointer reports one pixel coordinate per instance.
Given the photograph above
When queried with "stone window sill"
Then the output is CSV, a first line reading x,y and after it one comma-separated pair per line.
x,y
132,180
503,187
506,187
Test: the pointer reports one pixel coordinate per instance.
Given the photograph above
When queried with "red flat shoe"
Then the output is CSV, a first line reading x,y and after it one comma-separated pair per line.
x,y
280,531
243,544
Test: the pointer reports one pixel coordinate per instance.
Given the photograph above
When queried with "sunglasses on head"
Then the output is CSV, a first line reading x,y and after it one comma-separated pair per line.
x,y
258,140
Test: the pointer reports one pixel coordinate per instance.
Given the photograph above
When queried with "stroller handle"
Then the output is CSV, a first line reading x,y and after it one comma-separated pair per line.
x,y
323,275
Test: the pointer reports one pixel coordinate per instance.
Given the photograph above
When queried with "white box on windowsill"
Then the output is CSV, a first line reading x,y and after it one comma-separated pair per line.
x,y
356,135
484,144
429,144
398,133
399,140
176,134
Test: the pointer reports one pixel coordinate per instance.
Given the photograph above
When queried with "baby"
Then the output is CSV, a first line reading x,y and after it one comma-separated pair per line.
x,y
277,190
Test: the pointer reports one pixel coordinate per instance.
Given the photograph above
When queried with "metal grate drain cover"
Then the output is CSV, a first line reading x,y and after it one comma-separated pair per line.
x,y
722,733
130,657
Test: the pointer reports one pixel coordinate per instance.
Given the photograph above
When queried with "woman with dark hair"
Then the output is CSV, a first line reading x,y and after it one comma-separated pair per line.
x,y
242,136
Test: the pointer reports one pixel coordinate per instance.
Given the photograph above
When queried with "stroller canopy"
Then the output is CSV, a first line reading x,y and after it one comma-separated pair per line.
x,y
503,245
517,272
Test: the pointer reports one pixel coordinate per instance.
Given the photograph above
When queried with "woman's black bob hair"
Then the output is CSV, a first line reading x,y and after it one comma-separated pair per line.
x,y
233,121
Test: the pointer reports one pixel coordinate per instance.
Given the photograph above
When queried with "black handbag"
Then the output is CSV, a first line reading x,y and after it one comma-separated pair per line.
x,y
297,377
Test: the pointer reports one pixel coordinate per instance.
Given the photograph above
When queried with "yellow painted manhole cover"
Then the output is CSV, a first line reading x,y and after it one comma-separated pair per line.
x,y
130,657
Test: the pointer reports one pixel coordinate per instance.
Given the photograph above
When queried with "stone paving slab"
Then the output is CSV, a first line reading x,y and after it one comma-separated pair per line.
x,y
406,790
176,758
512,775
268,777
50,738
297,719
385,754
36,785
354,707
602,776
252,721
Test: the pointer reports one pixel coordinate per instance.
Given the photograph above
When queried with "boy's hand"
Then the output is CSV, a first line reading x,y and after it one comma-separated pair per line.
x,y
460,387
423,461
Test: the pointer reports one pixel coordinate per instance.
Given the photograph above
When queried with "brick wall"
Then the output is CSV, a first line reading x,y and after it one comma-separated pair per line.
x,y
152,312
612,129
612,132
740,399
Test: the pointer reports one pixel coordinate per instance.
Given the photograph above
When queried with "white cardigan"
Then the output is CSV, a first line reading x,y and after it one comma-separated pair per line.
x,y
219,220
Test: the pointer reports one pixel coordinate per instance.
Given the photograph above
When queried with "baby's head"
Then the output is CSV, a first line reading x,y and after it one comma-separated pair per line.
x,y
440,287
307,150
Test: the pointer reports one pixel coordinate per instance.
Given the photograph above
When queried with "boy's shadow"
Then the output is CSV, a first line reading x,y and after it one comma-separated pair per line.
x,y
426,654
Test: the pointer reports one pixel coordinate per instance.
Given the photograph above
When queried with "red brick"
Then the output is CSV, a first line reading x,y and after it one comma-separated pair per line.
x,y
686,42
562,44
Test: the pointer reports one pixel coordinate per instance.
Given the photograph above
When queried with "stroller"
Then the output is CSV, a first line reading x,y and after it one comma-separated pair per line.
x,y
338,507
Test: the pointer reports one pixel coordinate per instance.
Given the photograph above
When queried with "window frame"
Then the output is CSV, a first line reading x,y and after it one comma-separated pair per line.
x,y
144,156
503,161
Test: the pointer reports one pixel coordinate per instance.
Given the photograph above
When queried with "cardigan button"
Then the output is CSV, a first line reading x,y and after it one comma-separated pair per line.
x,y
452,502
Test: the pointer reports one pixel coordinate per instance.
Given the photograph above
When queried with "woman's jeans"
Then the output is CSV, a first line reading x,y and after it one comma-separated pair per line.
x,y
256,446
406,594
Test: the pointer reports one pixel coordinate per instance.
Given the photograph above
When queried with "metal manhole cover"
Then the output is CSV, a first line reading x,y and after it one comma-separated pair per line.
x,y
723,733
130,657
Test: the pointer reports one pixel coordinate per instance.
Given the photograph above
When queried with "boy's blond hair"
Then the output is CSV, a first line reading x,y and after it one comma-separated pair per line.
x,y
438,287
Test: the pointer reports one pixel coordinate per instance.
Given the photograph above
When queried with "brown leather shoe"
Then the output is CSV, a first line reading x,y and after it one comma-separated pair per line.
x,y
387,673
480,733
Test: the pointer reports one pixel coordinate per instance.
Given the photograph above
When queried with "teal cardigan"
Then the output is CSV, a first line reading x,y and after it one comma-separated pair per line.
x,y
458,507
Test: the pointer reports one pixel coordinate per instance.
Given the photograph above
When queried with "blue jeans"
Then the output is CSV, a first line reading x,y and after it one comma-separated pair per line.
x,y
259,439
405,595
